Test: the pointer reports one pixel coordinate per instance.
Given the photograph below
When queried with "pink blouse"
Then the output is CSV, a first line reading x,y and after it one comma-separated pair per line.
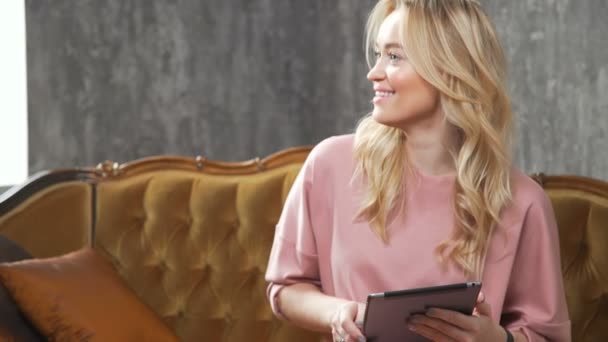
x,y
319,241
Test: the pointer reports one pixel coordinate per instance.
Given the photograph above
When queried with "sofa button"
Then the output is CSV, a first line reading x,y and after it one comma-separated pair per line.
x,y
163,267
140,221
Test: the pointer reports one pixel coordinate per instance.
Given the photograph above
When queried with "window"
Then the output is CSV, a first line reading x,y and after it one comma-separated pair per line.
x,y
13,94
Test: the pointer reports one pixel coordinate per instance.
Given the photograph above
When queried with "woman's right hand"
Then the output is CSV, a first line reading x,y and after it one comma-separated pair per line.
x,y
345,320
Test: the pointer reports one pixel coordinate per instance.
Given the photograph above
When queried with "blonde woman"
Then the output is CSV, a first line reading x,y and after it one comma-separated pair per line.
x,y
423,193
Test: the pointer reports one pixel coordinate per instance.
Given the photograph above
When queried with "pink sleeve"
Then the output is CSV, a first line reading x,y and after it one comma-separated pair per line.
x,y
293,257
535,302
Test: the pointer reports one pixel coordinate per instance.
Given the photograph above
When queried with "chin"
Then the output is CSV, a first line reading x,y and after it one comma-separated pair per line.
x,y
382,118
379,116
402,120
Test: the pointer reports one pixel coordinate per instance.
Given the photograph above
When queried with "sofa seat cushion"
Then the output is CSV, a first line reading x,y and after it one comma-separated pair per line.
x,y
79,297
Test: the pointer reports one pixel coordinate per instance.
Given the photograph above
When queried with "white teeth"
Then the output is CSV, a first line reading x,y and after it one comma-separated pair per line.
x,y
384,93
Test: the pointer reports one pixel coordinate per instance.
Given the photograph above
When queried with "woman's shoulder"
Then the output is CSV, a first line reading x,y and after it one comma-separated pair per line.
x,y
331,157
334,148
529,203
526,191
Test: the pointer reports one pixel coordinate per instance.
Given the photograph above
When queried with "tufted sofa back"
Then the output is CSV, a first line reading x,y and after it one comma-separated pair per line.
x,y
581,210
192,238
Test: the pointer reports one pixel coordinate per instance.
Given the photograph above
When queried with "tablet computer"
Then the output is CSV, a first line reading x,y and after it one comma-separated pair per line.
x,y
386,314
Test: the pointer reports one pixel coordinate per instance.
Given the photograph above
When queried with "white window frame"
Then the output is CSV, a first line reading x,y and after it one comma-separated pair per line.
x,y
13,94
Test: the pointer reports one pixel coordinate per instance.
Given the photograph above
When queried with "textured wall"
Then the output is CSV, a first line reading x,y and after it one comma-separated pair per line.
x,y
234,79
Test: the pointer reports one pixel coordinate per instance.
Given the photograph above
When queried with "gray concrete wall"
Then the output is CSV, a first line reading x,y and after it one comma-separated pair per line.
x,y
235,79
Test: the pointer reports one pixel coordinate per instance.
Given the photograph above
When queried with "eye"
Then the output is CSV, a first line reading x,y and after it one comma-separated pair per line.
x,y
394,57
376,54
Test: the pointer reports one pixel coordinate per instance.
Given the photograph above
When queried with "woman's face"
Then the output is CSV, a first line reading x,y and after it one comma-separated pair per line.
x,y
402,98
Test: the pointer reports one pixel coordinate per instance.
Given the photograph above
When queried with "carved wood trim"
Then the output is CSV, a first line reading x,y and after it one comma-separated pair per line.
x,y
14,196
572,182
112,170
107,170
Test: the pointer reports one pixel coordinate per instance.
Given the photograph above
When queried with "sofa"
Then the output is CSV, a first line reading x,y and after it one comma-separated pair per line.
x,y
190,237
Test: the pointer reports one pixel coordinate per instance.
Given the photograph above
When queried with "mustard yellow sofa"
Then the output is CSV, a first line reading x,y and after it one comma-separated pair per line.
x,y
192,237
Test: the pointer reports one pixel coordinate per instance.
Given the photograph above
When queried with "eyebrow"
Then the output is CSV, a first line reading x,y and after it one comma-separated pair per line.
x,y
390,45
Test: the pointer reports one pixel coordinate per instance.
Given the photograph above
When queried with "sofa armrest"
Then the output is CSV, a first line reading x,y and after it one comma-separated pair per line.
x,y
51,213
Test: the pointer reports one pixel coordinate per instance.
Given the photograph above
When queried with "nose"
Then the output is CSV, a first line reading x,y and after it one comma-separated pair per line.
x,y
376,73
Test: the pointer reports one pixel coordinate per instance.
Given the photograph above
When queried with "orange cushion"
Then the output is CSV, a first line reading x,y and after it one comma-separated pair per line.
x,y
79,296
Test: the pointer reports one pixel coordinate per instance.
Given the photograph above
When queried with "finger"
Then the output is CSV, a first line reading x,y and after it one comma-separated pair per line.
x,y
462,321
351,330
341,334
338,337
484,309
481,298
445,328
434,334
335,335
360,314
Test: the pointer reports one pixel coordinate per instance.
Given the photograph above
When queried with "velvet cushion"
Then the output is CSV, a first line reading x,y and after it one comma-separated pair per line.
x,y
13,325
79,297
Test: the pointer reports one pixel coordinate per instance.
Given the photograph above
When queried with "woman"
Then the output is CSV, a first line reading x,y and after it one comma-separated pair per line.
x,y
423,194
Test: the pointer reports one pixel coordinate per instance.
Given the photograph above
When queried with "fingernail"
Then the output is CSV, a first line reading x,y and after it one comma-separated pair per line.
x,y
412,327
361,339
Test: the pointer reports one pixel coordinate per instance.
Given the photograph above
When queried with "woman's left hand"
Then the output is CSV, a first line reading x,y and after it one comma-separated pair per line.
x,y
445,325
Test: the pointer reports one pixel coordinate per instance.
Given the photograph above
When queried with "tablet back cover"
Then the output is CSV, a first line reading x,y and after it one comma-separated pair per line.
x,y
386,316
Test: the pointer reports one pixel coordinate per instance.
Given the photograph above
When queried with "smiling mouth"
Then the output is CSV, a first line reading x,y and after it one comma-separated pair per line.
x,y
381,96
384,93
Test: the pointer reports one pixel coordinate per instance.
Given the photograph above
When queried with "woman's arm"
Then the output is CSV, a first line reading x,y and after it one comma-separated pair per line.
x,y
293,270
535,304
306,306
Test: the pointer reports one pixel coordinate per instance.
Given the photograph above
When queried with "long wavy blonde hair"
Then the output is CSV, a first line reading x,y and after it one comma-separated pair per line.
x,y
453,46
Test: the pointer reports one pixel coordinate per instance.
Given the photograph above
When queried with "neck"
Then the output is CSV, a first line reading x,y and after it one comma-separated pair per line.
x,y
431,147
